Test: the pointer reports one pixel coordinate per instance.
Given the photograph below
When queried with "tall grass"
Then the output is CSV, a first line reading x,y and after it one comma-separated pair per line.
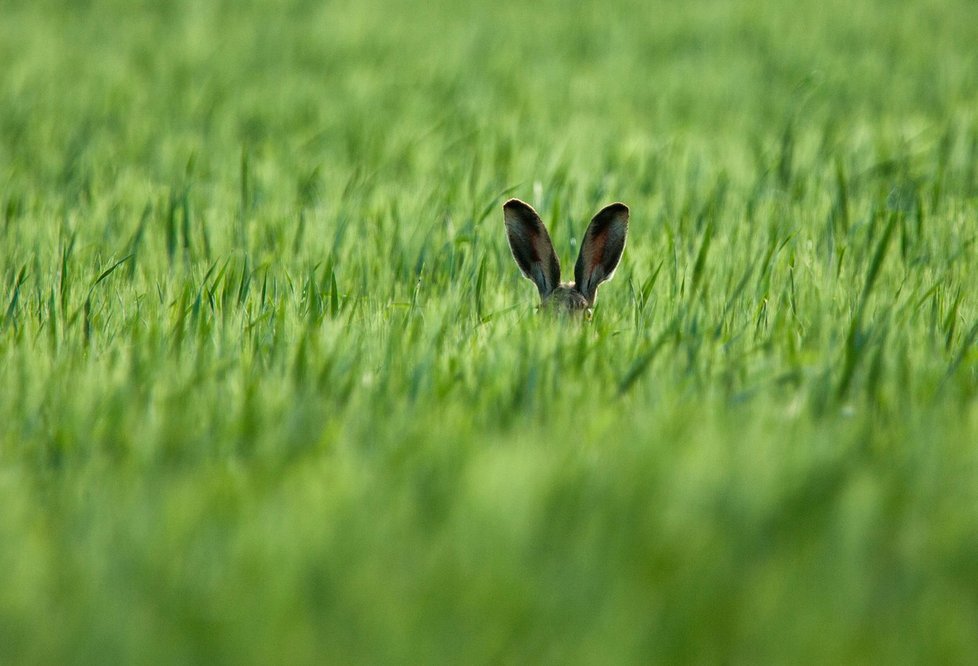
x,y
272,388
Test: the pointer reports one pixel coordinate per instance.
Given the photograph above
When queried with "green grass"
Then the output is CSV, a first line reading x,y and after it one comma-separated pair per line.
x,y
273,390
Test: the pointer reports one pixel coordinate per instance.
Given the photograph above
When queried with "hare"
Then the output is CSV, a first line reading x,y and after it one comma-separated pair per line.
x,y
601,250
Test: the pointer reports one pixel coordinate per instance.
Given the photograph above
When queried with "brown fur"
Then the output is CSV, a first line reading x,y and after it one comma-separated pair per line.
x,y
601,250
565,298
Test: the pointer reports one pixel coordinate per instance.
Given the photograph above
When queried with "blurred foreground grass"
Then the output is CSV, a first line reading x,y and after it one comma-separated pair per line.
x,y
272,389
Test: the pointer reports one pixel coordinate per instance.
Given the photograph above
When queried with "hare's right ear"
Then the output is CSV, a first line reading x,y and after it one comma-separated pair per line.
x,y
531,246
601,249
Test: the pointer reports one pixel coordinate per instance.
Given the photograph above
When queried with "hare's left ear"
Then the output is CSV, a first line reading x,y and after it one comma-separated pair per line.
x,y
604,242
531,246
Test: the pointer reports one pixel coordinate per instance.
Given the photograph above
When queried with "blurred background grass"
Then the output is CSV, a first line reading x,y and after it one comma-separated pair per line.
x,y
272,389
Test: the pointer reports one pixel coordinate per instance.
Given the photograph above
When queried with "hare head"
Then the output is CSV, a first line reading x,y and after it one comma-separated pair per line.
x,y
601,249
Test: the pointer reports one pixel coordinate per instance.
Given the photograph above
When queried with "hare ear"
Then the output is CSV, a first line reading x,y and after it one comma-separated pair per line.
x,y
604,241
531,246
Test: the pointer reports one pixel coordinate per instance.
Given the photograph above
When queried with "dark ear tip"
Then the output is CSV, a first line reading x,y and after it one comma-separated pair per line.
x,y
516,203
616,208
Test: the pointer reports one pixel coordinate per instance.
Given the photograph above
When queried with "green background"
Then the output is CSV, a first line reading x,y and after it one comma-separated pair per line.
x,y
273,390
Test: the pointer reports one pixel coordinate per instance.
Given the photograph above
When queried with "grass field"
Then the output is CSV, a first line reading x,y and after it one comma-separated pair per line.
x,y
272,389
